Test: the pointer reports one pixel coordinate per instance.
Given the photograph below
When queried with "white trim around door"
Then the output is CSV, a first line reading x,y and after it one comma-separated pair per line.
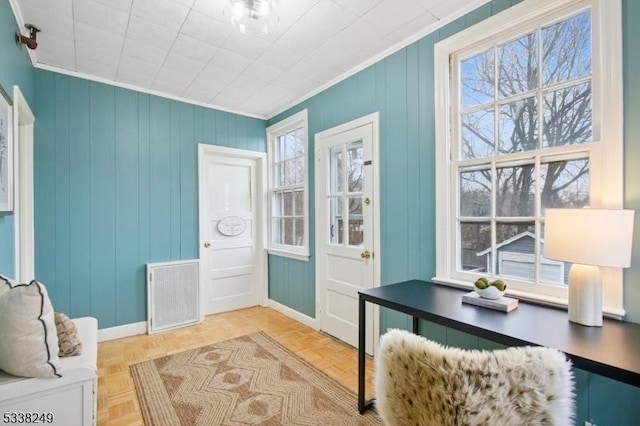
x,y
23,123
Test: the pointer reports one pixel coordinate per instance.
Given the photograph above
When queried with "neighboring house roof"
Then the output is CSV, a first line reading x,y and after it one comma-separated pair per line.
x,y
509,241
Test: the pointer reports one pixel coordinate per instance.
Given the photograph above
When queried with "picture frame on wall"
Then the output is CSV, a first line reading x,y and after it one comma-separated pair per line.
x,y
6,152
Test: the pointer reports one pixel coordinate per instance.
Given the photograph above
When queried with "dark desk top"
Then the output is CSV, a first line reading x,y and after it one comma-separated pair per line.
x,y
612,350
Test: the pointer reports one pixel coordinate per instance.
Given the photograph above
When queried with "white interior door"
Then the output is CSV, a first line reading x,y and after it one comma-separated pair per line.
x,y
231,232
345,231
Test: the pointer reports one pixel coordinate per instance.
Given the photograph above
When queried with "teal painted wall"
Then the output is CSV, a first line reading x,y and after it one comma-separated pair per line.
x,y
116,188
401,88
15,69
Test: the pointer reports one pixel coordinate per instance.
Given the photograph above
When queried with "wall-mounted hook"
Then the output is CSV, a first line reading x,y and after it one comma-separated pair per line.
x,y
31,40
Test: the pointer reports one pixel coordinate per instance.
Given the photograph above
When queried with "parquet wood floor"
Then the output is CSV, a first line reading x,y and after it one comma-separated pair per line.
x,y
117,401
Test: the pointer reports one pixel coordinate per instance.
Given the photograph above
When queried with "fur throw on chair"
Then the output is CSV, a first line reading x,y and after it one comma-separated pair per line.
x,y
420,382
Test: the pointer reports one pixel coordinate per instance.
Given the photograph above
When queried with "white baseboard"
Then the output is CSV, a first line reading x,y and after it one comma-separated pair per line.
x,y
137,328
293,314
120,331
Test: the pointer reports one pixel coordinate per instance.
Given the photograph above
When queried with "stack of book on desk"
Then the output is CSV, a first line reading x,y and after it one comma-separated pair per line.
x,y
505,304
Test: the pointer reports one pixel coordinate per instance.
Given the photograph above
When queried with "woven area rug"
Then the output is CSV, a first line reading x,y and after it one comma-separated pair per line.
x,y
250,380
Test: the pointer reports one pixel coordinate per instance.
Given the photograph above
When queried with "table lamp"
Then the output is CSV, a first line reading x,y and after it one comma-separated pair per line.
x,y
588,238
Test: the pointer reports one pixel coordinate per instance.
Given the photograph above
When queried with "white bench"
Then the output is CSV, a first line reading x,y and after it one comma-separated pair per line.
x,y
70,398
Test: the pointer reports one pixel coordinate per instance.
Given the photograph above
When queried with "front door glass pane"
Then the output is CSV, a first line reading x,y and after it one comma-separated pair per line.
x,y
355,166
335,221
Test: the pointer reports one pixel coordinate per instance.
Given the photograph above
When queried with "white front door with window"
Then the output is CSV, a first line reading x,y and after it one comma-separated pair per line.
x,y
229,231
345,226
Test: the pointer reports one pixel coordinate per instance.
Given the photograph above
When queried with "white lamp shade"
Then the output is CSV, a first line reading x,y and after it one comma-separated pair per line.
x,y
598,237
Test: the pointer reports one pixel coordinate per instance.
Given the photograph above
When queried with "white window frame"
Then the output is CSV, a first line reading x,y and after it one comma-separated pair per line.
x,y
606,152
295,121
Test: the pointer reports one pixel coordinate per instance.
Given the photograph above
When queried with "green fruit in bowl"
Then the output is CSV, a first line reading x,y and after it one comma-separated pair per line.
x,y
481,283
499,284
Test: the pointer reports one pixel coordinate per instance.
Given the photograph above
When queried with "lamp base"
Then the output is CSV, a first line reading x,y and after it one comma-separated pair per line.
x,y
585,295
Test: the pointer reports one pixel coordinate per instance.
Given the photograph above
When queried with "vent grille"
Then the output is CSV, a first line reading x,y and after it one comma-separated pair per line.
x,y
173,293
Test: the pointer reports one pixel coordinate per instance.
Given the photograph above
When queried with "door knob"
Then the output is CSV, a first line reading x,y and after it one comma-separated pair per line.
x,y
207,245
365,255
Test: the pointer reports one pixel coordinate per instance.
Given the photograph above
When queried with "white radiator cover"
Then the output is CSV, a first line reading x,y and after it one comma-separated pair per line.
x,y
173,295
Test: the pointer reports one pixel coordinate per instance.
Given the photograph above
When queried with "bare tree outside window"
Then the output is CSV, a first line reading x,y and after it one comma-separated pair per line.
x,y
346,170
528,95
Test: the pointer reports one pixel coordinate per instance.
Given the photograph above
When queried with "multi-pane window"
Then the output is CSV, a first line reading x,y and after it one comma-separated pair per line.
x,y
288,228
525,133
524,115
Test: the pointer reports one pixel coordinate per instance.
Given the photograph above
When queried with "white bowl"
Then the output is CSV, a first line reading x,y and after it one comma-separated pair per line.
x,y
490,292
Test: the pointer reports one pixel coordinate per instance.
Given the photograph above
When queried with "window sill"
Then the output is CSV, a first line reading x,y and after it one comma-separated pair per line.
x,y
289,254
538,299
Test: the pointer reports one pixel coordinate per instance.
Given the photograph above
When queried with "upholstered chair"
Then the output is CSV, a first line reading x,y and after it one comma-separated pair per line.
x,y
420,382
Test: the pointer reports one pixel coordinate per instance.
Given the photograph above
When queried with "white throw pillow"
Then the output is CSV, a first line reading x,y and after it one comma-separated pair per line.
x,y
28,337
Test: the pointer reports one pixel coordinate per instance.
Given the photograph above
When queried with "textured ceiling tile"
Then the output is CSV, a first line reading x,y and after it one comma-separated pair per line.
x,y
162,12
134,66
56,51
389,15
192,48
231,97
280,57
295,82
206,29
417,25
170,86
359,7
217,76
290,11
123,5
97,45
211,8
299,39
136,78
100,69
268,99
49,8
230,61
201,91
430,4
152,34
185,3
262,72
273,93
57,24
314,70
442,9
180,68
144,52
317,26
246,45
100,16
348,44
247,84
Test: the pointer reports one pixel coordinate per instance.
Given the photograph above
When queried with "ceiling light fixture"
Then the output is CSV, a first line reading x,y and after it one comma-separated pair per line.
x,y
252,16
